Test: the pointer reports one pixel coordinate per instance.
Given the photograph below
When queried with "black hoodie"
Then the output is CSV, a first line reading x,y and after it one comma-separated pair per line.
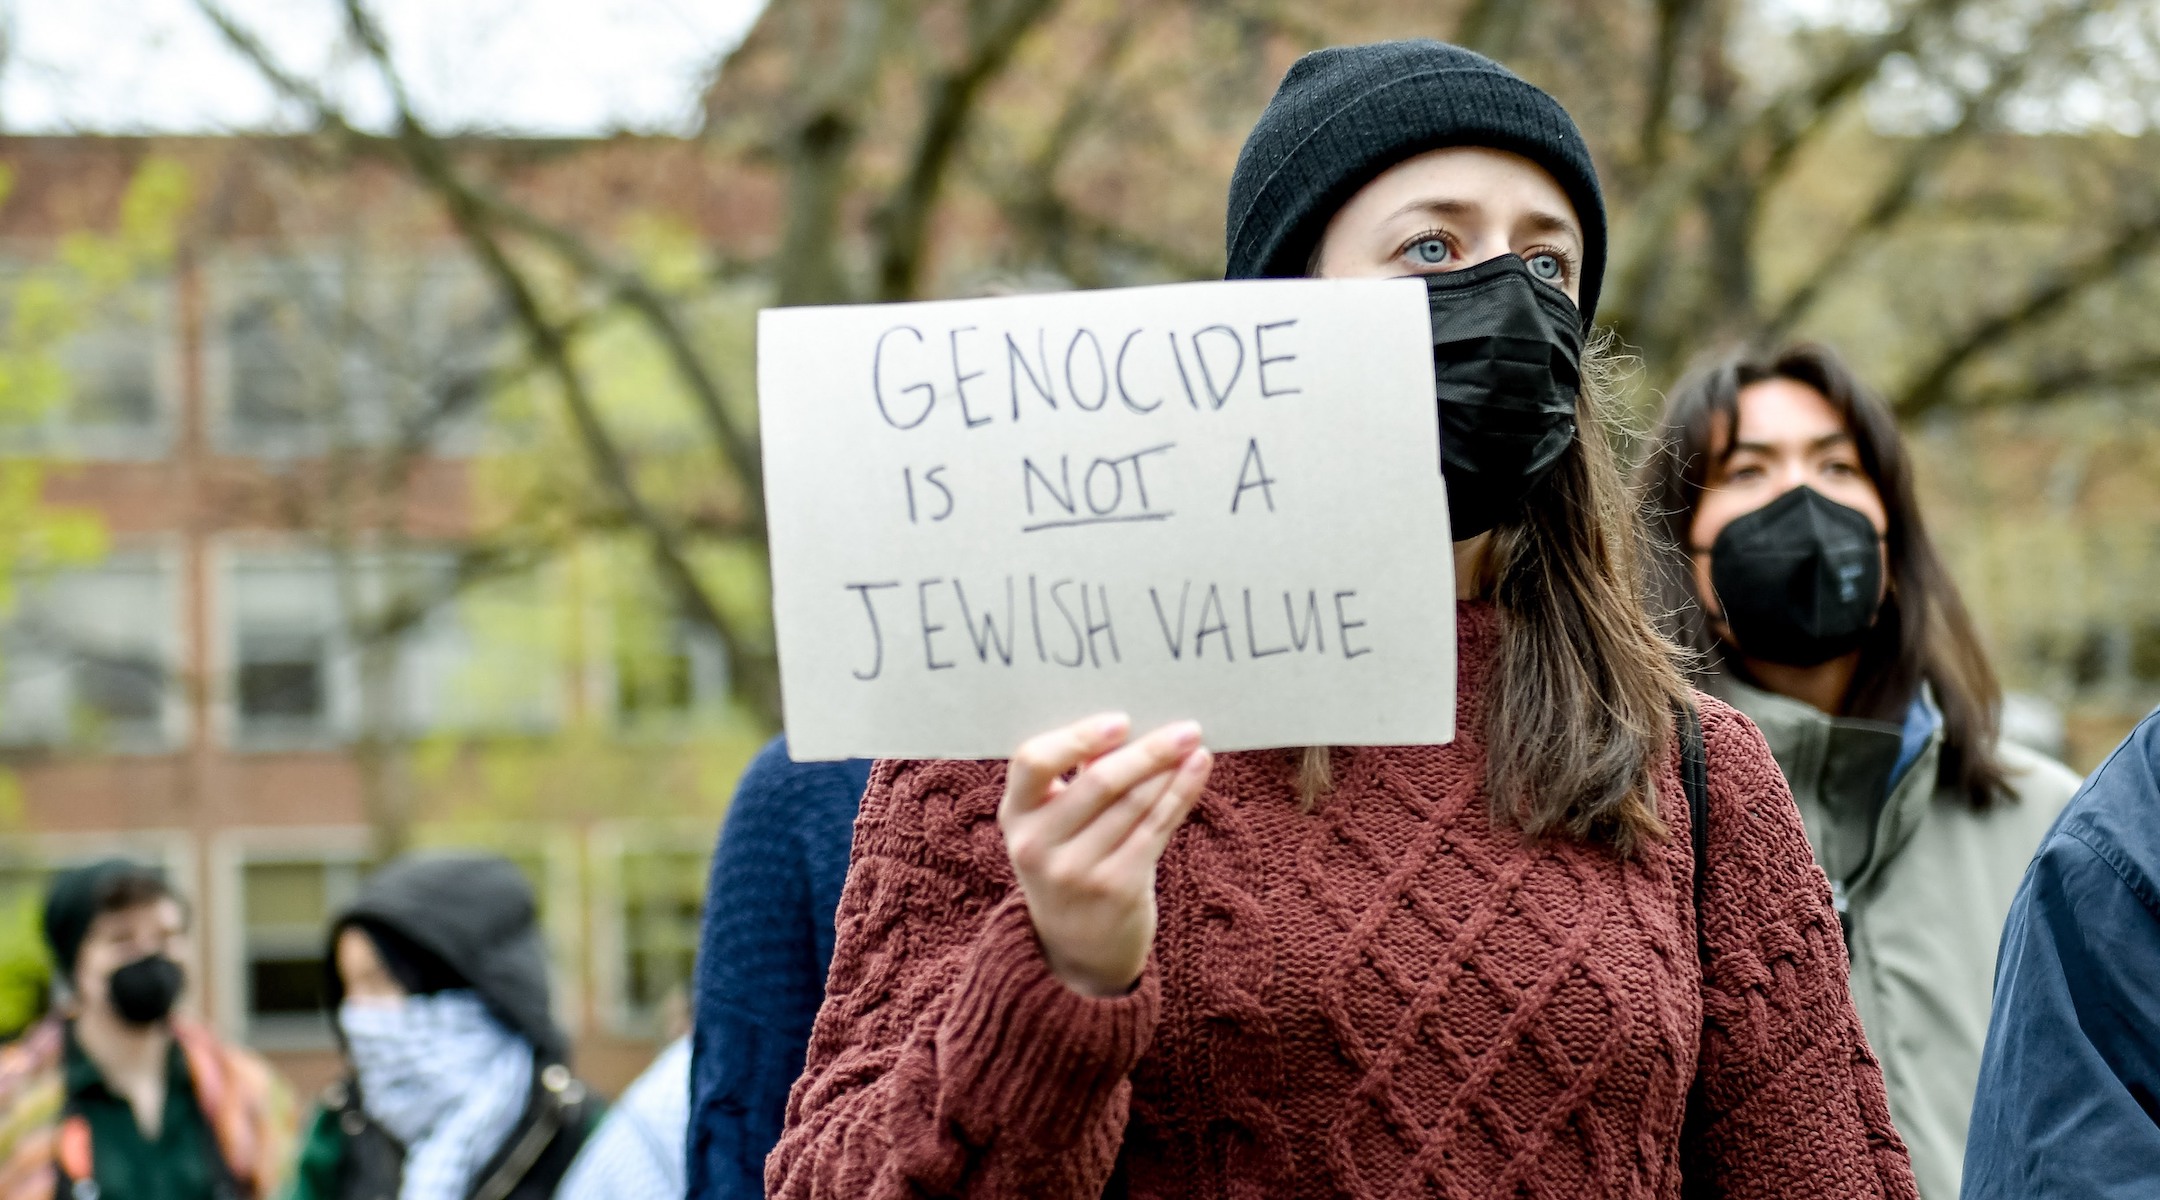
x,y
475,913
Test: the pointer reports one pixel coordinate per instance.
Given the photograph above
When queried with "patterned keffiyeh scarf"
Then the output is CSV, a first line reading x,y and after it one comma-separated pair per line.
x,y
445,1078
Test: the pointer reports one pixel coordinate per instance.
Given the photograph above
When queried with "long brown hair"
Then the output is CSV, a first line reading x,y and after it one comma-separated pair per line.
x,y
1923,633
1580,704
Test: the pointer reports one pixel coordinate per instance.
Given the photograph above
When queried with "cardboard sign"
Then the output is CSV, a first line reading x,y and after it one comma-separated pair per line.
x,y
1219,501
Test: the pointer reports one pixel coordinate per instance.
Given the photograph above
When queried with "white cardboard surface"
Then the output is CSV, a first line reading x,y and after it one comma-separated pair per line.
x,y
1210,500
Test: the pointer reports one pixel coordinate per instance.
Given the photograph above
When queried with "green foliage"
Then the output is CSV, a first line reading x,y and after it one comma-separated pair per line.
x,y
42,307
588,653
25,966
590,649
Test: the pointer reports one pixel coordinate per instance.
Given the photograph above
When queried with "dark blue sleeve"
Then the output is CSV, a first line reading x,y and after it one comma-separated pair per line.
x,y
766,941
2066,1102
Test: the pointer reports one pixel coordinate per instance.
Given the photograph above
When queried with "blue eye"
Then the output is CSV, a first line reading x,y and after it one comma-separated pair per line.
x,y
1547,267
1429,252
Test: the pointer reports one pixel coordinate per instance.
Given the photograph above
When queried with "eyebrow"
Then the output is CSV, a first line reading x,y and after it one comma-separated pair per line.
x,y
1537,219
1827,441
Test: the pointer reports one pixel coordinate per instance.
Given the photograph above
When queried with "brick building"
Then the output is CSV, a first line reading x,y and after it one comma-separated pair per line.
x,y
198,695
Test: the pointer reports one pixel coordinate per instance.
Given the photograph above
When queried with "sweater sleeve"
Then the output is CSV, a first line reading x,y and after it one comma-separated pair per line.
x,y
759,974
947,1059
1789,1100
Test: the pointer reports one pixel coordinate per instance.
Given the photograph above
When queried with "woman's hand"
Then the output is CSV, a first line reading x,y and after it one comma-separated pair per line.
x,y
1085,850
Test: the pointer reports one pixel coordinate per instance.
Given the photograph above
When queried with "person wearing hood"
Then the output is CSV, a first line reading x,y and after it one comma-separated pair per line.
x,y
459,1085
2066,1104
1581,950
116,1095
1804,580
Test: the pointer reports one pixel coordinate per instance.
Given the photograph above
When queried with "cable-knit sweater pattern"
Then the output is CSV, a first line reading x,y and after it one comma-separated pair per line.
x,y
1390,995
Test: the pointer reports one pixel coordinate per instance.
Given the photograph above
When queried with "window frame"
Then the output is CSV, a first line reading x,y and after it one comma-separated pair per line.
x,y
610,845
164,560
368,418
233,850
57,434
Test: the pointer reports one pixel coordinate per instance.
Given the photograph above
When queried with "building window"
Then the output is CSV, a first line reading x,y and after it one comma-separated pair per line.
x,y
281,679
320,354
667,670
285,634
110,362
113,377
85,660
287,905
658,899
122,689
298,673
269,385
487,656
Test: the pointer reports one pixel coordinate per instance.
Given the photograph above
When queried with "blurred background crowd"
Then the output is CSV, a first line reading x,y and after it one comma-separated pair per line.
x,y
378,454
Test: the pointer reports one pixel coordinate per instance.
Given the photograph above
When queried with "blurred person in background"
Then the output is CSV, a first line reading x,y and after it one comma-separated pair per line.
x,y
1803,578
2069,1097
1581,950
637,1153
762,956
114,1095
459,1084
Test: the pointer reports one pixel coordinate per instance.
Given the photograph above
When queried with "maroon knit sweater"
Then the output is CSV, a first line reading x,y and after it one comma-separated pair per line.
x,y
1388,996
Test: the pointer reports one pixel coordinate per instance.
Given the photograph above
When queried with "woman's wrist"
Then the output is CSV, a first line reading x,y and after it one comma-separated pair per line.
x,y
1095,985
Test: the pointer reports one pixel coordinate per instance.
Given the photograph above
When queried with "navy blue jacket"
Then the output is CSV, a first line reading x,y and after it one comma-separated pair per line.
x,y
762,956
2069,1099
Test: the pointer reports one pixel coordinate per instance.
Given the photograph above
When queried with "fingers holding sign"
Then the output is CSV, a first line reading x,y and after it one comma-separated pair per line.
x,y
1085,850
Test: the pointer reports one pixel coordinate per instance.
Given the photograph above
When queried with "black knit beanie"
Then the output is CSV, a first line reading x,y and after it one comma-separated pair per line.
x,y
1345,114
78,896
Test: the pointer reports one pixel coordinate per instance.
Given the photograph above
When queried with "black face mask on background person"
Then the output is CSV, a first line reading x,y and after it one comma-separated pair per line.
x,y
143,992
1799,579
1507,364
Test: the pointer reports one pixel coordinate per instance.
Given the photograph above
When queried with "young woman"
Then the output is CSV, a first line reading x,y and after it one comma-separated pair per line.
x,y
438,981
1475,969
1817,606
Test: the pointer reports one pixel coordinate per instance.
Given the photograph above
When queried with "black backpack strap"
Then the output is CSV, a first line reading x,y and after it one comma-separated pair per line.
x,y
1695,781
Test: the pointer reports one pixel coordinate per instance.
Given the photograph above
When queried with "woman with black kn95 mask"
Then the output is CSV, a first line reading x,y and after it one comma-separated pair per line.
x,y
1803,577
1579,951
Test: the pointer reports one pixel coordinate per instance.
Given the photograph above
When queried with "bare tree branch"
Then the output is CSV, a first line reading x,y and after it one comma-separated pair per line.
x,y
758,681
903,222
1675,20
2054,290
816,152
1920,162
2053,384
550,346
737,445
1783,121
1050,225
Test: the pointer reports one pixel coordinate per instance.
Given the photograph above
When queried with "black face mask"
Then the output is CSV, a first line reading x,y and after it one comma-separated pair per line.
x,y
143,991
1507,363
1799,579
